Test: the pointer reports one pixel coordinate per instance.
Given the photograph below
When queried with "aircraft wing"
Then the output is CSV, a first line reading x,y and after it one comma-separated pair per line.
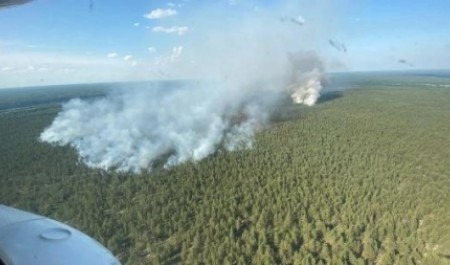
x,y
30,239
9,3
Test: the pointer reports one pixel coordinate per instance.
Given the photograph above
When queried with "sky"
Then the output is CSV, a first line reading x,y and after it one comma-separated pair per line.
x,y
87,41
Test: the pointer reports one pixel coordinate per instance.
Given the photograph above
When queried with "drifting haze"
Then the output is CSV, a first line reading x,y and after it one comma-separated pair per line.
x,y
253,60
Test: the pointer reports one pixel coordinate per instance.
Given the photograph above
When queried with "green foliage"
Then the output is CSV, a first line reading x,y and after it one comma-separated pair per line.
x,y
362,179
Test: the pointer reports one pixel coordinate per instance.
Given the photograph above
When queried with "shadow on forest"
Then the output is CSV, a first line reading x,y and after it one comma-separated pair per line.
x,y
329,96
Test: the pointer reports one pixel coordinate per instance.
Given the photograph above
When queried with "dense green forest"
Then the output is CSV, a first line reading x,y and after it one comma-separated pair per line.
x,y
361,178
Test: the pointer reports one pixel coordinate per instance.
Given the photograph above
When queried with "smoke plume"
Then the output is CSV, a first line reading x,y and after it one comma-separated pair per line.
x,y
247,67
307,77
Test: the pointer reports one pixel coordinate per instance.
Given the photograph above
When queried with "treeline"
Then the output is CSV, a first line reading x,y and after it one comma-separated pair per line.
x,y
361,179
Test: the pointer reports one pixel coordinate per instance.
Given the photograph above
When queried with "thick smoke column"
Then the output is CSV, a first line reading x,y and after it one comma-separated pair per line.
x,y
254,63
128,131
306,78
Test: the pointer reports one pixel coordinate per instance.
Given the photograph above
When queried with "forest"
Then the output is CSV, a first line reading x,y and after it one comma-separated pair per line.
x,y
363,178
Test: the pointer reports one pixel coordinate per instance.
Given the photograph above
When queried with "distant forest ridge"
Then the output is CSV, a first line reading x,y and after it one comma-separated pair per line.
x,y
12,98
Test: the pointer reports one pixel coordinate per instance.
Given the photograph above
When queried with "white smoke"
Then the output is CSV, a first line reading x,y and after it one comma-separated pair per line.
x,y
307,93
253,63
307,77
128,131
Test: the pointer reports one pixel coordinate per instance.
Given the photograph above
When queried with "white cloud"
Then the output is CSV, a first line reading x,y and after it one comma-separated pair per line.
x,y
151,49
170,4
67,70
6,69
45,68
137,24
134,63
176,53
127,57
160,13
171,58
180,30
300,20
112,55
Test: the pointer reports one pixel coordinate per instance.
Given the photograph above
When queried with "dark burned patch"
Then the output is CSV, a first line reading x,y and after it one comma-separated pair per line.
x,y
329,96
161,161
445,256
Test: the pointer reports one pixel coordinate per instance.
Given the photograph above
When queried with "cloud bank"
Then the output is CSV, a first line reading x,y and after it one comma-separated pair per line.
x,y
160,13
180,30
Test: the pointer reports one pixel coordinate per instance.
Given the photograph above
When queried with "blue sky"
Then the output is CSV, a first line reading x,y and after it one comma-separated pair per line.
x,y
70,41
